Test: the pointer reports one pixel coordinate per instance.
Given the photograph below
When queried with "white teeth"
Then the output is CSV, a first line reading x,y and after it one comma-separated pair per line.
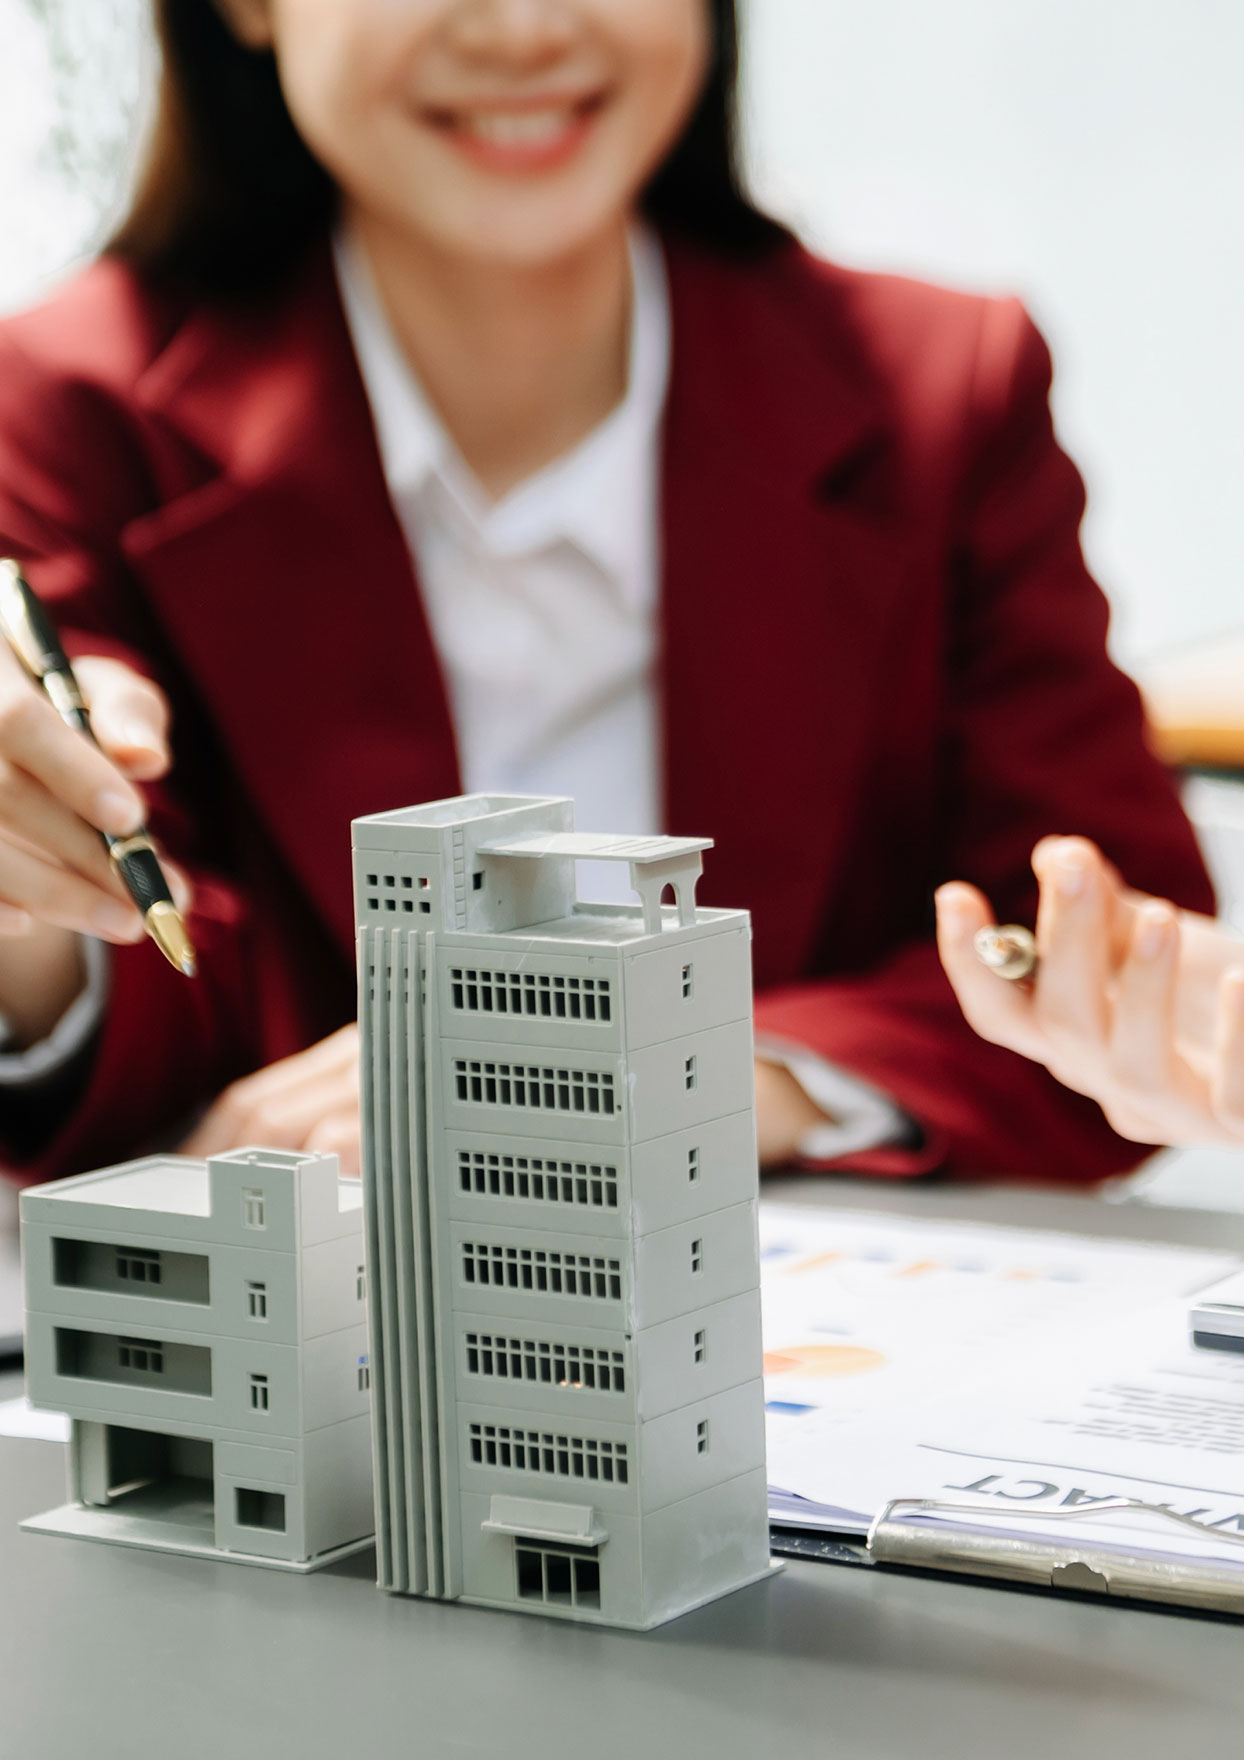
x,y
529,128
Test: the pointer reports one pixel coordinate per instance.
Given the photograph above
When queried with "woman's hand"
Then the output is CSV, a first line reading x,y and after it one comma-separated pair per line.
x,y
57,791
1135,1004
311,1101
784,1114
308,1101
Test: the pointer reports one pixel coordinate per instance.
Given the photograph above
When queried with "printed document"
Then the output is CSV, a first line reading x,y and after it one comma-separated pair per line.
x,y
1013,1371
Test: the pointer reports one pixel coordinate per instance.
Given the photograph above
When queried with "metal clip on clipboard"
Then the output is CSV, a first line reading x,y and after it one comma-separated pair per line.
x,y
896,1538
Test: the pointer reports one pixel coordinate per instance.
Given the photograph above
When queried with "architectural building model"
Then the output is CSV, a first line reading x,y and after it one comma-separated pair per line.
x,y
560,1166
204,1325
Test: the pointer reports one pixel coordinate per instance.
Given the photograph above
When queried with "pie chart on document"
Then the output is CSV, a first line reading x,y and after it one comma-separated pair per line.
x,y
822,1362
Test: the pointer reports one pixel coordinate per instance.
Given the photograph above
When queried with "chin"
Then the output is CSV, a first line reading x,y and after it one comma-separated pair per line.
x,y
522,235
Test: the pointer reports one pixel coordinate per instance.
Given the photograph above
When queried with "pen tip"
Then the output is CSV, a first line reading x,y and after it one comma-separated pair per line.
x,y
168,931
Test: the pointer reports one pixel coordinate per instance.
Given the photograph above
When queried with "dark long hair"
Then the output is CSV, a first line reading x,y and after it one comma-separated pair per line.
x,y
230,197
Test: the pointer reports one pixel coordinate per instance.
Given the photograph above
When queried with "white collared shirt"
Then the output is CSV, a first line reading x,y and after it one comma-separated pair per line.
x,y
543,605
543,608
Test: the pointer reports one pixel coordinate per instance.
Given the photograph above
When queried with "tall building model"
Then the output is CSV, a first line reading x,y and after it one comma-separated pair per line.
x,y
204,1325
560,1166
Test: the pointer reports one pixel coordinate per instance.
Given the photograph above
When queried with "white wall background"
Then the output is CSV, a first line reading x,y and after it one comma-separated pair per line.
x,y
1087,154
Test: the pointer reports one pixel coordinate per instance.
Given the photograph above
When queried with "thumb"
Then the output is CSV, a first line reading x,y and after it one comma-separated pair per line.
x,y
129,716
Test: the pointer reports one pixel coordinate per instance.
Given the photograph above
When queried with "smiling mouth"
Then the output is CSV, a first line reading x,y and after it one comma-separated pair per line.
x,y
522,135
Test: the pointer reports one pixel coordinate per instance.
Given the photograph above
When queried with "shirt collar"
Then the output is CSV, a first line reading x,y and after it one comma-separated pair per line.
x,y
599,496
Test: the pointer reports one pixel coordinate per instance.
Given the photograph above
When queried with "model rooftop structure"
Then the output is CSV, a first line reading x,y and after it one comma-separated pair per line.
x,y
204,1325
560,1163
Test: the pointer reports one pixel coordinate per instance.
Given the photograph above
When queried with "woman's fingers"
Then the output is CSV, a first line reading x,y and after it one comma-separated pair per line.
x,y
129,716
323,1061
339,1135
1228,1085
1142,1055
33,819
1046,850
999,1011
282,1105
38,888
1120,902
275,1121
34,739
1072,935
58,790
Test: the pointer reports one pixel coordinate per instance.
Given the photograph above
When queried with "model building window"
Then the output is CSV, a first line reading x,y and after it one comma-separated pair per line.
x,y
385,891
360,1285
364,1377
253,1208
137,1265
259,1393
545,1271
689,1075
560,1576
697,1257
260,1509
257,1301
700,1347
539,1451
688,983
546,996
531,1178
701,1436
143,1355
573,1366
534,1088
693,1165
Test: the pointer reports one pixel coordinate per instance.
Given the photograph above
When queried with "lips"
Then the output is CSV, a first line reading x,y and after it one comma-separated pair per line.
x,y
532,135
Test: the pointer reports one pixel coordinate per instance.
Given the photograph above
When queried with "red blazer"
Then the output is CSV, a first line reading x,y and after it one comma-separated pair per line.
x,y
883,664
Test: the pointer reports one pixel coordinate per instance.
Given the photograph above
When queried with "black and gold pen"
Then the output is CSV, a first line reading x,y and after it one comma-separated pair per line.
x,y
28,630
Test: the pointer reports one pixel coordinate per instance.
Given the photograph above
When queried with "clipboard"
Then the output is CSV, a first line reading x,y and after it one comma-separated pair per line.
x,y
969,1548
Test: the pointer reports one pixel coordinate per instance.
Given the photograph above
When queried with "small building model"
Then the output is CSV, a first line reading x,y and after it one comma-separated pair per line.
x,y
560,1166
204,1325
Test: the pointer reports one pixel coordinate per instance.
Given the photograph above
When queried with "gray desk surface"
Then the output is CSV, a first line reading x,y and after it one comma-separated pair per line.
x,y
111,1654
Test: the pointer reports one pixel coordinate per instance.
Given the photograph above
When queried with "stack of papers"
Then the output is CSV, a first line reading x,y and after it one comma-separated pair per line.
x,y
1021,1374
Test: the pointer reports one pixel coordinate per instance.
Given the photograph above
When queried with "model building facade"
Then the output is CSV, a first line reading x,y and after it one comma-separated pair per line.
x,y
204,1325
560,1160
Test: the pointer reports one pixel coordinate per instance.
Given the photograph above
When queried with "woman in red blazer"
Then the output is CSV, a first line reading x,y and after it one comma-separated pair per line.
x,y
882,659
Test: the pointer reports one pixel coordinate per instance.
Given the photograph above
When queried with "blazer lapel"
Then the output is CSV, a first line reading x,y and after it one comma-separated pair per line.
x,y
778,580
284,582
